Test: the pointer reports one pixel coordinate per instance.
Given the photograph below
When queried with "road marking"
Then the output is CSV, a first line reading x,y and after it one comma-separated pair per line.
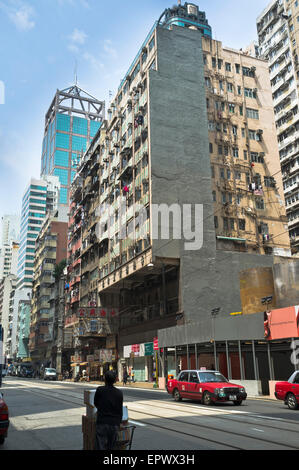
x,y
259,430
137,423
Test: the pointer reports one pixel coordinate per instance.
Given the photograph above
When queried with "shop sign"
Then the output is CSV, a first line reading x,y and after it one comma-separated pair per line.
x,y
97,312
156,344
97,354
127,351
149,349
282,323
76,359
105,355
93,326
141,350
136,349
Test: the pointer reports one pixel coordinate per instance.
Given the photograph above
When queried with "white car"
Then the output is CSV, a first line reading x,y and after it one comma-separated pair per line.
x,y
50,374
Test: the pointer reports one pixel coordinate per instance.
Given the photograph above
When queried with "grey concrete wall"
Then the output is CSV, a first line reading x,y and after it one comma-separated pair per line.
x,y
231,328
227,278
180,160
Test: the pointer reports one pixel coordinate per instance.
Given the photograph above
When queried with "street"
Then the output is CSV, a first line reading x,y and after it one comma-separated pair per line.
x,y
47,416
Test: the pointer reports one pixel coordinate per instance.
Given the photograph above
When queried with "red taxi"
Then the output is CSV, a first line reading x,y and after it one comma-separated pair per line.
x,y
289,391
207,386
4,421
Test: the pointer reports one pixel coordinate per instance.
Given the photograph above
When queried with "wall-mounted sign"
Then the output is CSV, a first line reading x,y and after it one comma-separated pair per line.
x,y
149,349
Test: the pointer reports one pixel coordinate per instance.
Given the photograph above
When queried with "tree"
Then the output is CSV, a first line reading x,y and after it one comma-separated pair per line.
x,y
59,268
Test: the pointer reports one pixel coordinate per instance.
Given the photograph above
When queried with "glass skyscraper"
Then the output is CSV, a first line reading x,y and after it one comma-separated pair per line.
x,y
71,123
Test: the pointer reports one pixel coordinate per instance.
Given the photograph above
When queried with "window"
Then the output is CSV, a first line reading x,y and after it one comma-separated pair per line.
x,y
228,172
183,377
252,113
241,110
235,130
237,68
236,152
248,72
214,196
214,62
222,173
239,90
228,67
216,221
220,61
225,223
237,175
230,87
259,203
220,149
213,172
232,224
242,224
194,377
223,196
243,133
231,108
211,147
249,93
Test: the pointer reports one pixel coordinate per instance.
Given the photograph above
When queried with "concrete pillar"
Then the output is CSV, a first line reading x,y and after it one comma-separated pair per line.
x,y
241,361
254,362
215,356
271,372
188,358
196,357
229,372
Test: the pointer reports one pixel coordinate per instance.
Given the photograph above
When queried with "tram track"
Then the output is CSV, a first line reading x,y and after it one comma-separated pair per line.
x,y
149,417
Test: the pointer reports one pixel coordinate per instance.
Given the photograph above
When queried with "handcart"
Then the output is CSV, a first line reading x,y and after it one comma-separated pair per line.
x,y
125,438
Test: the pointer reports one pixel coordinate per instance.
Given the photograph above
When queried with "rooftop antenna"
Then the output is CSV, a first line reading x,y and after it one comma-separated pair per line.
x,y
76,73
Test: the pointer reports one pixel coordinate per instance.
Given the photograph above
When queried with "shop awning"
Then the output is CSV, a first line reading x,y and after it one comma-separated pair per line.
x,y
83,364
74,365
232,239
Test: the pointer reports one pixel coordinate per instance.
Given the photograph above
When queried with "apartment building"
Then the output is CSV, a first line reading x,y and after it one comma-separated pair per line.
x,y
9,245
9,259
197,135
247,185
23,329
41,197
7,288
278,29
50,250
16,296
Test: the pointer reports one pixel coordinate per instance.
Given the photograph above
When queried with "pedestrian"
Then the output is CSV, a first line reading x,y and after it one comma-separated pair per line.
x,y
109,402
133,375
125,377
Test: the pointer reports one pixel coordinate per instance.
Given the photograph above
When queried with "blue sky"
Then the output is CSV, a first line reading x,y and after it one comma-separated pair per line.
x,y
42,40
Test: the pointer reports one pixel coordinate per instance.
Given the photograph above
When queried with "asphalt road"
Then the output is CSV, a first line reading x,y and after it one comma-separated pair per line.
x,y
48,416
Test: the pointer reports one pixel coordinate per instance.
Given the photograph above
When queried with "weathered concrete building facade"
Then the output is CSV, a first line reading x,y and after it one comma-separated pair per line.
x,y
191,127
